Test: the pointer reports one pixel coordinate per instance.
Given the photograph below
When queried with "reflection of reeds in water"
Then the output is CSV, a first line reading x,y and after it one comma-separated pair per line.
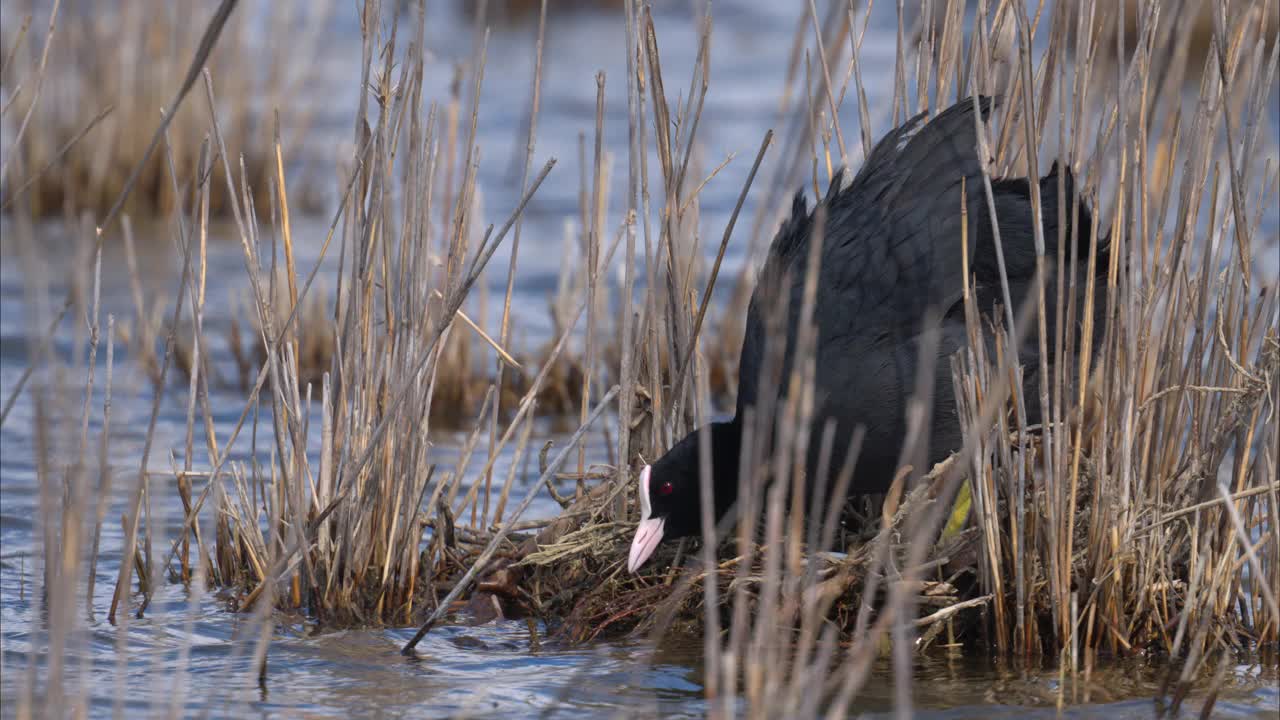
x,y
1141,518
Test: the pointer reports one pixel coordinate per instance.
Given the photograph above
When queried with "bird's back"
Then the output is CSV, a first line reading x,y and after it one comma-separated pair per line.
x,y
891,253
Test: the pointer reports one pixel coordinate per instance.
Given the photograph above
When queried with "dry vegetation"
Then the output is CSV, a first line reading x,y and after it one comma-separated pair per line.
x,y
1141,519
82,99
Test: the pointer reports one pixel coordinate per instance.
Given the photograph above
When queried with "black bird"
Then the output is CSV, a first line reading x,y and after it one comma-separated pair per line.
x,y
890,258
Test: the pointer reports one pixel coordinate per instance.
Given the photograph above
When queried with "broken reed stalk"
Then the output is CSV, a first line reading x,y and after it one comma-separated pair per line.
x,y
135,506
505,326
593,272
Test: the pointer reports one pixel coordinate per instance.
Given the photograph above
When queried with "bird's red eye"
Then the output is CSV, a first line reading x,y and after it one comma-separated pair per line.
x,y
665,488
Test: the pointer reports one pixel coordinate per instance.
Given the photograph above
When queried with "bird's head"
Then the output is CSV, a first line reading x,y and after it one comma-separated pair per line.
x,y
671,498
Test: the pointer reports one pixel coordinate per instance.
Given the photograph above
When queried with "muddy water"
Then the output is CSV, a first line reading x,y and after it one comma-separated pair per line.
x,y
191,656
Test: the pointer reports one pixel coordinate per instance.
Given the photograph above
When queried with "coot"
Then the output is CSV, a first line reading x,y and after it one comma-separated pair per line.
x,y
890,257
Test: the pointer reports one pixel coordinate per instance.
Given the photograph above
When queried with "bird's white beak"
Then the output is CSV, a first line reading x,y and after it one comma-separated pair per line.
x,y
648,532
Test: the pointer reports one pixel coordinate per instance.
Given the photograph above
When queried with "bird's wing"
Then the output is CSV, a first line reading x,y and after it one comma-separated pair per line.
x,y
898,244
890,244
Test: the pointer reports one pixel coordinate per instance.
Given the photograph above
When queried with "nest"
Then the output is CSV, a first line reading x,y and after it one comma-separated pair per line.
x,y
572,575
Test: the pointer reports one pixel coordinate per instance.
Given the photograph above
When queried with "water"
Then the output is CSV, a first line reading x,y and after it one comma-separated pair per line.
x,y
190,654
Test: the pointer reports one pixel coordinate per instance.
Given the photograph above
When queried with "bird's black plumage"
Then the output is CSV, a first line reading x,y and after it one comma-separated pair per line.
x,y
889,271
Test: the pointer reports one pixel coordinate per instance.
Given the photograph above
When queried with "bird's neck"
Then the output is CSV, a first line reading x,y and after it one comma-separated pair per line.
x,y
726,444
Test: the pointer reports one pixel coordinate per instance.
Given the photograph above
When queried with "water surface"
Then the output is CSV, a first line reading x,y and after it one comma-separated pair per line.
x,y
190,654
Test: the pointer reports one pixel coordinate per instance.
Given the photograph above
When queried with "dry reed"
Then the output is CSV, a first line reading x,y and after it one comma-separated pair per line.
x,y
77,134
1141,517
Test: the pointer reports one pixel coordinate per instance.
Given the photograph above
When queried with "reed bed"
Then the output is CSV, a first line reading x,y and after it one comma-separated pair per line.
x,y
81,102
464,372
1140,518
1137,521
